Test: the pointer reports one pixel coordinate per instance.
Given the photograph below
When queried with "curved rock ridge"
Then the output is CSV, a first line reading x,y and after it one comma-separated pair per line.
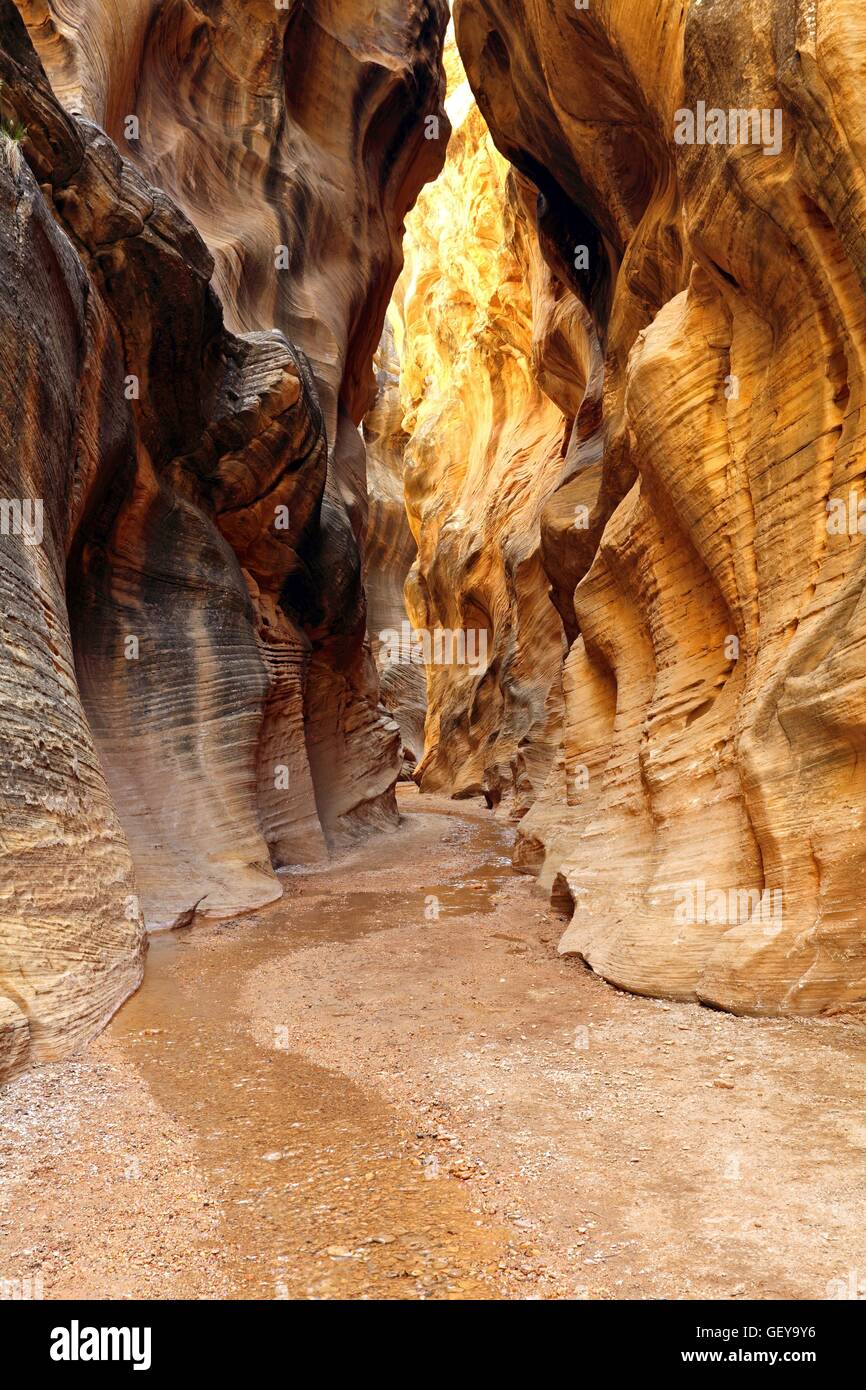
x,y
390,548
187,691
706,823
485,447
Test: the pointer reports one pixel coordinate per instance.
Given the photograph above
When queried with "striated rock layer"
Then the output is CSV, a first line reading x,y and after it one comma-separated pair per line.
x,y
485,446
190,305
706,820
390,549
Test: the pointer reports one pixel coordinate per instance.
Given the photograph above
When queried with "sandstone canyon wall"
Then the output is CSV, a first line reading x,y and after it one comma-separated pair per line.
x,y
390,549
706,819
620,384
201,221
485,326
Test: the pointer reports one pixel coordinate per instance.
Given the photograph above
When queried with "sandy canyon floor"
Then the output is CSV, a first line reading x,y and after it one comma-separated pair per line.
x,y
389,1085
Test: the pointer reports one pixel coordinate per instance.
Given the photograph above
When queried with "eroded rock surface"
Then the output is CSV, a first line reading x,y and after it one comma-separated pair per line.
x,y
391,550
707,819
485,446
189,308
622,385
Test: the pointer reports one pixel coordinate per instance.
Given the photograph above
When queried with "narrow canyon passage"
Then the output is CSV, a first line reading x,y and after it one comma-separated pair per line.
x,y
392,1100
322,1189
432,631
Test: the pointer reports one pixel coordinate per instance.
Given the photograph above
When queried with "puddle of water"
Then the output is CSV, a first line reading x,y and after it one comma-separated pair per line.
x,y
322,1194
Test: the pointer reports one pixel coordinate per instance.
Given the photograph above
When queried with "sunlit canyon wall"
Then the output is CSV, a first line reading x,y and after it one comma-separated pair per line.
x,y
390,547
486,327
701,536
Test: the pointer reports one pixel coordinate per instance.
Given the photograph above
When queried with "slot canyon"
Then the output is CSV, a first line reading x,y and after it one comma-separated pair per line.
x,y
432,442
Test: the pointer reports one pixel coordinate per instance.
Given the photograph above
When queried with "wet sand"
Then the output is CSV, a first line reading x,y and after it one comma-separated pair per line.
x,y
388,1085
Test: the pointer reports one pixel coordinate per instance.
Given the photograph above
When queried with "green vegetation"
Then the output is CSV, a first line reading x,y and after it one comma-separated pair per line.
x,y
11,129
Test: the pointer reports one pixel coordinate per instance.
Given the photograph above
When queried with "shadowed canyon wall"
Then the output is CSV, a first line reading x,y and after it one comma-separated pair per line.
x,y
201,224
705,822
